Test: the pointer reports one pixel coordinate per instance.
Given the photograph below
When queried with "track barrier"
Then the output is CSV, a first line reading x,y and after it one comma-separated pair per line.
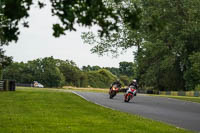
x,y
7,85
172,93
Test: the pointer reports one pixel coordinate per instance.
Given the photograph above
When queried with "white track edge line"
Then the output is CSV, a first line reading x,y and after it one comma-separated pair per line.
x,y
92,101
120,111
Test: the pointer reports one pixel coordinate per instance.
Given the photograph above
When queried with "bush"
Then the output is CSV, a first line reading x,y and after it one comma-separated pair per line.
x,y
125,80
101,78
197,88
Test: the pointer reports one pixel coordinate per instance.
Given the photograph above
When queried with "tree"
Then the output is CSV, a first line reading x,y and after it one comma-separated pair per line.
x,y
4,61
71,73
173,25
126,68
125,80
158,68
47,72
193,74
106,14
165,32
83,12
90,68
101,78
43,70
127,36
167,37
12,12
113,70
13,71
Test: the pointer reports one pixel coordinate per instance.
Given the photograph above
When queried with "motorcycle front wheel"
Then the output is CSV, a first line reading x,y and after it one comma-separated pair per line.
x,y
127,98
112,94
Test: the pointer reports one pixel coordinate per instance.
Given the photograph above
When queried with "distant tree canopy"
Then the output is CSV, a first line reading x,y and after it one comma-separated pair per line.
x,y
126,72
90,68
101,78
43,70
127,68
57,73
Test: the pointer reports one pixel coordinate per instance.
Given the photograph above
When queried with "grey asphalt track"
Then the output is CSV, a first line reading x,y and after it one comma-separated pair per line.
x,y
176,112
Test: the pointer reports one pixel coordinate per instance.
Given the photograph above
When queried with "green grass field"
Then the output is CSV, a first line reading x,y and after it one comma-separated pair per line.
x,y
48,111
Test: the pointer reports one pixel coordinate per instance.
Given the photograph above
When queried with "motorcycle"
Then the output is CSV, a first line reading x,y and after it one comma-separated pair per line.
x,y
130,93
113,91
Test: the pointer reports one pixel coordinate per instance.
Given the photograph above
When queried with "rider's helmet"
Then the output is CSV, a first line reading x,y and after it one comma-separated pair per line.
x,y
134,80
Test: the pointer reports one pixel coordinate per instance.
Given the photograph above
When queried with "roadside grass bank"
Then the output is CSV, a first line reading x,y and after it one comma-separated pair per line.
x,y
45,111
185,98
70,88
104,90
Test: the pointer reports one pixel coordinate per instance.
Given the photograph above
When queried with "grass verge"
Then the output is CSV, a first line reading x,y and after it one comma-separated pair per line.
x,y
185,98
46,111
87,89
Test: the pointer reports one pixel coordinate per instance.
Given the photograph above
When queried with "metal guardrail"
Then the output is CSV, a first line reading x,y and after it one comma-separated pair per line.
x,y
24,85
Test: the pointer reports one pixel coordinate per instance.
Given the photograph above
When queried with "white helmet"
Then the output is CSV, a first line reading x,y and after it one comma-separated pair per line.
x,y
134,80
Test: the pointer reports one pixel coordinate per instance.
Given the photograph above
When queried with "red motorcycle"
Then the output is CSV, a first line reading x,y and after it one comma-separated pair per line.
x,y
113,91
130,93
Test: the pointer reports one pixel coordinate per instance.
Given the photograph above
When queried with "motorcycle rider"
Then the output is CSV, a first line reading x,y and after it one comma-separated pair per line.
x,y
134,84
117,82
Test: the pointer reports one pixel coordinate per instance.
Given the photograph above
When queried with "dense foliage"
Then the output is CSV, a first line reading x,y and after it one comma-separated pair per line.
x,y
101,78
167,42
106,14
57,73
166,34
4,61
43,70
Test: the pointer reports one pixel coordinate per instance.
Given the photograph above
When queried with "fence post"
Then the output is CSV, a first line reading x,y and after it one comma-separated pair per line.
x,y
12,85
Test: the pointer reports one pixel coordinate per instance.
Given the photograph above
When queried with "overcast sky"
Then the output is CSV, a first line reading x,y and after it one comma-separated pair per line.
x,y
37,42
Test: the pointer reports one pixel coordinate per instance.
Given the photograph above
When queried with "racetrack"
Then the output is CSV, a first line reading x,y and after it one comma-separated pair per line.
x,y
176,112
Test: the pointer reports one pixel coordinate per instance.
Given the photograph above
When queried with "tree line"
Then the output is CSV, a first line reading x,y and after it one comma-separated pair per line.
x,y
166,34
57,73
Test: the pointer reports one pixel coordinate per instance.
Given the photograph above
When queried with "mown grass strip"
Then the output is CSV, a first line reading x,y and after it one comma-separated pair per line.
x,y
185,98
88,89
46,111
